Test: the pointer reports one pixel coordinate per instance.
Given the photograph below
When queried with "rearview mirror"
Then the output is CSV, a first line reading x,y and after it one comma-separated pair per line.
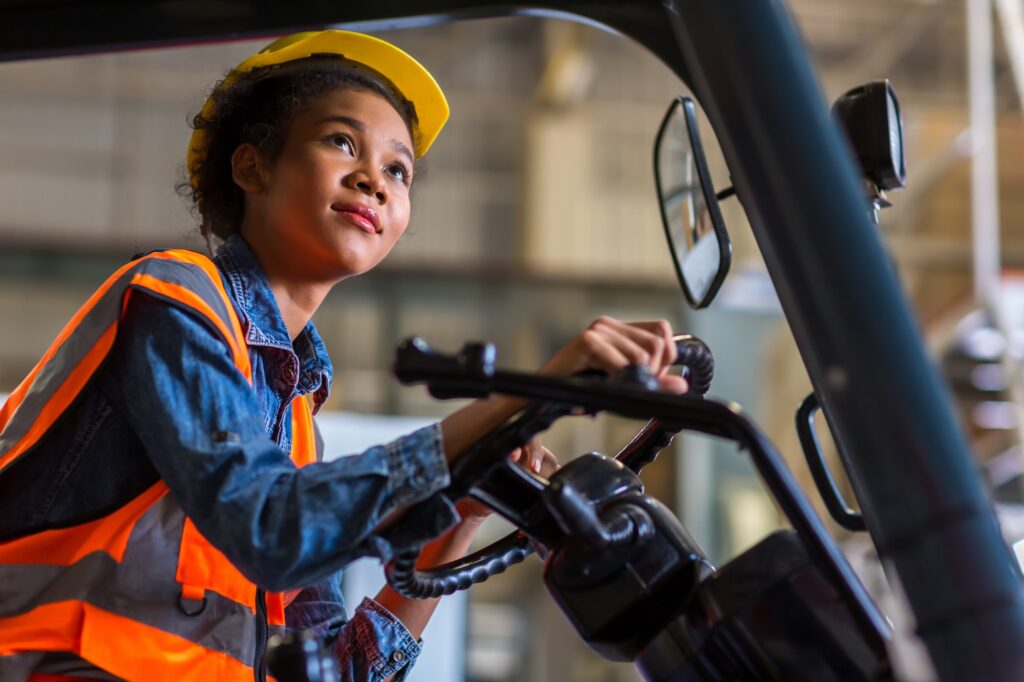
x,y
698,241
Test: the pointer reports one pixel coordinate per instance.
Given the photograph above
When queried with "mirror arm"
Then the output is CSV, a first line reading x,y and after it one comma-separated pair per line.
x,y
725,193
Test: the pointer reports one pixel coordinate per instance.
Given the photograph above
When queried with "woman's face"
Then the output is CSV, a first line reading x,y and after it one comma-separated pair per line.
x,y
336,200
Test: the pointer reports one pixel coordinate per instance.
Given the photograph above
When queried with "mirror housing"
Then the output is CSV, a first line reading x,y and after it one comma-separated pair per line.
x,y
697,238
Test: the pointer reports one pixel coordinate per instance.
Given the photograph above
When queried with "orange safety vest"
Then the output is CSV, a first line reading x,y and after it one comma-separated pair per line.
x,y
139,593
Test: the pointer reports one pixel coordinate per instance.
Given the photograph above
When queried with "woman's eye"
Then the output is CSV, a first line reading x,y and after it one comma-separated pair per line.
x,y
341,142
398,172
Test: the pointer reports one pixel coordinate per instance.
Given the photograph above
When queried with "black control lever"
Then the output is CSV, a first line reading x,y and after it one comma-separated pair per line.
x,y
578,518
491,451
699,368
645,446
463,375
471,372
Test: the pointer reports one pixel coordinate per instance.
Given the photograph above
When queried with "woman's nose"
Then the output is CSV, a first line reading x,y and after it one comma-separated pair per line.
x,y
369,184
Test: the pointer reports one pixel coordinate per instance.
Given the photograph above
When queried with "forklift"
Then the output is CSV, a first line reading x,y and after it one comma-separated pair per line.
x,y
790,608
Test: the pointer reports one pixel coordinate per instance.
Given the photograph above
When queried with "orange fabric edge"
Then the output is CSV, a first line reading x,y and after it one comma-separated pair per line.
x,y
275,606
65,546
193,592
303,440
116,644
179,293
213,273
201,566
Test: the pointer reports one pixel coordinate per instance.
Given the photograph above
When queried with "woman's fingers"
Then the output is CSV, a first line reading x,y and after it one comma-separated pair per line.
x,y
549,463
604,351
663,331
535,457
673,383
609,344
648,343
653,338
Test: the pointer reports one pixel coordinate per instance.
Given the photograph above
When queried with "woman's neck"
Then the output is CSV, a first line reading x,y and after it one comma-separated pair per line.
x,y
298,295
297,302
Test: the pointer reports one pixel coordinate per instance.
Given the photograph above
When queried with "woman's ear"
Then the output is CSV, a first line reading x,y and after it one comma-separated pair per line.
x,y
248,168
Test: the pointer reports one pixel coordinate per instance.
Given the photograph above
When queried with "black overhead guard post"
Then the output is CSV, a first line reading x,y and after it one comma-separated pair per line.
x,y
907,459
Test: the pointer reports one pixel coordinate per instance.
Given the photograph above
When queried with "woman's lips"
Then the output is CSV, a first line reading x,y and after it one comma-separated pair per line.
x,y
363,217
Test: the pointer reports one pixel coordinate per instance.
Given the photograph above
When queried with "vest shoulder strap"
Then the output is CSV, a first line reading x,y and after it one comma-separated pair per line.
x,y
185,278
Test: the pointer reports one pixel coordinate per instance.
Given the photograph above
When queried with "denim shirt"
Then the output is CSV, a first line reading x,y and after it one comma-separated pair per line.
x,y
169,403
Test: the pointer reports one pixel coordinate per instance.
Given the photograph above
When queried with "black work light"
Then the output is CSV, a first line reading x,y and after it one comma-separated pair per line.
x,y
870,115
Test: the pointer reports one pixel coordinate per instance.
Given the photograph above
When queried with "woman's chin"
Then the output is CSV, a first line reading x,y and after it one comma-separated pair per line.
x,y
348,266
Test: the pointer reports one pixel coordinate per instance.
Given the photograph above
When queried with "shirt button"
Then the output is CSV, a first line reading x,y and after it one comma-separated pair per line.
x,y
398,656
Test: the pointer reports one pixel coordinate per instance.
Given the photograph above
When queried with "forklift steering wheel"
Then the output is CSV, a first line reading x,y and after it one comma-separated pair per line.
x,y
468,475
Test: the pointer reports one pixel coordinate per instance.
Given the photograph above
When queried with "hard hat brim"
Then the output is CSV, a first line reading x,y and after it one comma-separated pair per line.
x,y
407,75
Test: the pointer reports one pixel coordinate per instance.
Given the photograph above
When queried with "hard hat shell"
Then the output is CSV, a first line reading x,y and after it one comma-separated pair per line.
x,y
408,76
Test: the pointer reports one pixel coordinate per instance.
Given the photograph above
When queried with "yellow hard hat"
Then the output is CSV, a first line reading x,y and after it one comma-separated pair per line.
x,y
407,75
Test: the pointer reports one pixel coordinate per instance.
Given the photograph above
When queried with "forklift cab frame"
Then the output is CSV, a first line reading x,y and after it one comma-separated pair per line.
x,y
745,63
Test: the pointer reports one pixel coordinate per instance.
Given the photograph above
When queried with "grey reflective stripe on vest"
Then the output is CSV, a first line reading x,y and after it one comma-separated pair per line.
x,y
53,375
318,439
105,312
142,587
69,665
18,667
193,278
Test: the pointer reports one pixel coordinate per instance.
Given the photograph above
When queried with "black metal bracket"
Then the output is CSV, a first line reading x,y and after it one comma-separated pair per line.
x,y
841,512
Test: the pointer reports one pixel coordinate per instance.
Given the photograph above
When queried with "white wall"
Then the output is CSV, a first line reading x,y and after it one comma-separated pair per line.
x,y
444,641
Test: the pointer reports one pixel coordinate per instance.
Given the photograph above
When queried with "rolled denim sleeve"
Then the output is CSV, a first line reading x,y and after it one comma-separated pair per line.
x,y
201,426
375,645
371,646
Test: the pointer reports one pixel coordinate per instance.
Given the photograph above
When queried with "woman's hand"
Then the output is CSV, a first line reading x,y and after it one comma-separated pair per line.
x,y
536,458
609,344
533,456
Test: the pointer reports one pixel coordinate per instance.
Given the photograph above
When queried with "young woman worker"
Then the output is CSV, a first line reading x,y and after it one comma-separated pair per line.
x,y
162,506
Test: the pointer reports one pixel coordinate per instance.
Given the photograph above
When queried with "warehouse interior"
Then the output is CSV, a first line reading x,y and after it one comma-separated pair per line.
x,y
537,212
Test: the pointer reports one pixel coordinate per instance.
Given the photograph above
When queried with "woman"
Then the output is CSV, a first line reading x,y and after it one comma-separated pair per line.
x,y
164,509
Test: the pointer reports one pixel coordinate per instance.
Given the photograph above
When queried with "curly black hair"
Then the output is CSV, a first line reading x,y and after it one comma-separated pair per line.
x,y
258,108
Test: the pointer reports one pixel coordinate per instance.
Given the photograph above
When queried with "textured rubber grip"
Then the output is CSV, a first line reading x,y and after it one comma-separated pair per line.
x,y
403,576
696,357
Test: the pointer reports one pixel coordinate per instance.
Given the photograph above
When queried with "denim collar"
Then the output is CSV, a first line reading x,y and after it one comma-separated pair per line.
x,y
262,321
